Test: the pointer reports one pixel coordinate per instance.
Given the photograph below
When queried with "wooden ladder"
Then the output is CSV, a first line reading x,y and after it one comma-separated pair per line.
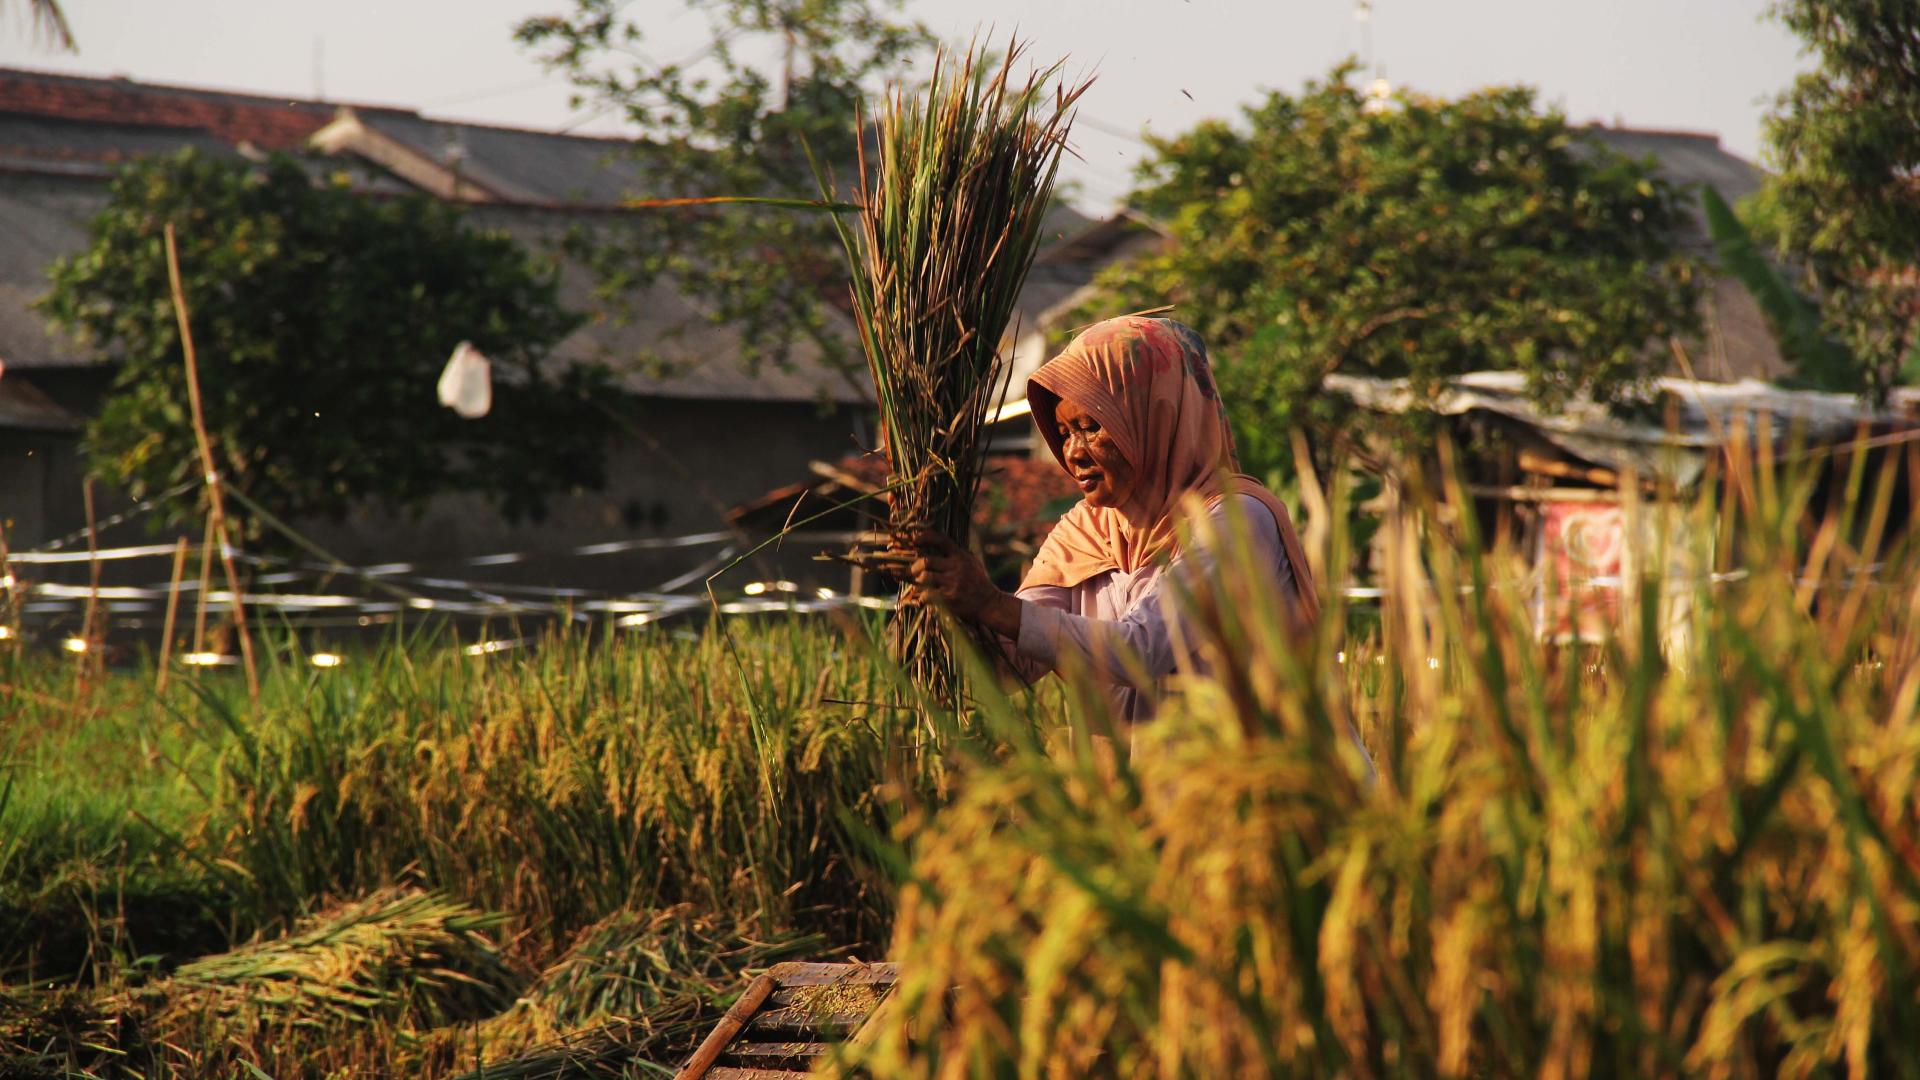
x,y
787,1019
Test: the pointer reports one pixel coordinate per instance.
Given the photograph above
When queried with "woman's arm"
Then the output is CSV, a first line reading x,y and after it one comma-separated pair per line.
x,y
1136,648
1010,659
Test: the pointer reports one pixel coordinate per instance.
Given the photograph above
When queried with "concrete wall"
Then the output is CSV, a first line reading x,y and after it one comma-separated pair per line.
x,y
689,463
25,475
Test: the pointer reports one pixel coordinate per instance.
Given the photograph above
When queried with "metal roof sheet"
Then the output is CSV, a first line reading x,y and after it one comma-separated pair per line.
x,y
1706,415
520,165
23,406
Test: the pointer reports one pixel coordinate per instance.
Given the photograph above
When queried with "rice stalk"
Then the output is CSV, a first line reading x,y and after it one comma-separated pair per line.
x,y
950,202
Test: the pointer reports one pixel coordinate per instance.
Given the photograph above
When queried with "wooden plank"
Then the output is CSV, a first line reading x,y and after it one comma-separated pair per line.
x,y
759,1052
801,973
777,1003
795,1018
869,1029
1543,494
809,993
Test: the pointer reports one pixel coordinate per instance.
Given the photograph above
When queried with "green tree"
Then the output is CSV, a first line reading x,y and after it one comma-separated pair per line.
x,y
1418,237
321,321
1844,201
716,124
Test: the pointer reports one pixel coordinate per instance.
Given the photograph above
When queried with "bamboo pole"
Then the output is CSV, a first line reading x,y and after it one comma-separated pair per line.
x,y
173,608
1532,462
7,586
90,625
215,505
730,1025
206,586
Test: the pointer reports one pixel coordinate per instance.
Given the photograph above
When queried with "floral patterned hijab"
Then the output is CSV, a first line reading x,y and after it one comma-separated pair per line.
x,y
1149,384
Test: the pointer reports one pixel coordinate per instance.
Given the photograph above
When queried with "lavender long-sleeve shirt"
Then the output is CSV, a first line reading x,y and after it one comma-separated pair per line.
x,y
1122,627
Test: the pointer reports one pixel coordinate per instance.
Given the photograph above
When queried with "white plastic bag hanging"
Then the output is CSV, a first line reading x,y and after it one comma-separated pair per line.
x,y
466,386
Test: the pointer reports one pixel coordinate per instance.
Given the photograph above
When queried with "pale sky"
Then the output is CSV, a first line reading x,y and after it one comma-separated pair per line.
x,y
1161,65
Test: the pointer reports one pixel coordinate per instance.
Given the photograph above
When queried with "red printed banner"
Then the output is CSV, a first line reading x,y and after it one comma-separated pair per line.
x,y
1582,556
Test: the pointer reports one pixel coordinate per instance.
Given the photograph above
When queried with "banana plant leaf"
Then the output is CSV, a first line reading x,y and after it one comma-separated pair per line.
x,y
1821,362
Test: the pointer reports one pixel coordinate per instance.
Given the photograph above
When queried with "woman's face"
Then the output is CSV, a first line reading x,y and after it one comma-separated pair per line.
x,y
1105,477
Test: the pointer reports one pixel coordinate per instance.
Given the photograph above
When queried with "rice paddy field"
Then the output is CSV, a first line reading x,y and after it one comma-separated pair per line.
x,y
1687,850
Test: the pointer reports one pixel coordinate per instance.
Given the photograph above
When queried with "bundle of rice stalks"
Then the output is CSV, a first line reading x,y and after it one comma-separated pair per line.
x,y
634,987
1704,860
397,957
950,206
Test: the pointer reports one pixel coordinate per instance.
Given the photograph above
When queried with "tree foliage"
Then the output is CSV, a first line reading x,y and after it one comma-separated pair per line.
x,y
717,124
1416,237
1844,202
321,320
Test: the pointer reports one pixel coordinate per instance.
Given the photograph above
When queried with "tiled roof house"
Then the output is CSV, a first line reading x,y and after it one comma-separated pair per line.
x,y
717,430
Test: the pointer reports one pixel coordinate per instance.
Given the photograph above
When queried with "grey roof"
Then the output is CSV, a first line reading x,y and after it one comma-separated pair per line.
x,y
1074,248
520,165
1077,249
51,145
1685,158
52,181
670,347
22,405
1737,344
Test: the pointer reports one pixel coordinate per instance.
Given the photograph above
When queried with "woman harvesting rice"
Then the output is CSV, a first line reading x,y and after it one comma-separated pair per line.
x,y
1130,411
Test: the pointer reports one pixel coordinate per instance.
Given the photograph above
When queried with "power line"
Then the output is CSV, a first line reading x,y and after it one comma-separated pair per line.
x,y
489,92
1105,128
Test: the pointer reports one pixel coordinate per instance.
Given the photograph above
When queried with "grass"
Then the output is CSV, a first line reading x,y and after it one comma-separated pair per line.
x,y
83,888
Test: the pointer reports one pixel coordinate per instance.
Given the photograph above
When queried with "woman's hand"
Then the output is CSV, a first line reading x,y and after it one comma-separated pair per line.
x,y
955,579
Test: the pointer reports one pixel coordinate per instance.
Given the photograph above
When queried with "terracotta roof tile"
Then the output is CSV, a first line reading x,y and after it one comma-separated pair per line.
x,y
268,123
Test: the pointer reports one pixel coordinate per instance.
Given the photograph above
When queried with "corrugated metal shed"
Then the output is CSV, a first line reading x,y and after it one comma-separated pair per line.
x,y
1706,416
